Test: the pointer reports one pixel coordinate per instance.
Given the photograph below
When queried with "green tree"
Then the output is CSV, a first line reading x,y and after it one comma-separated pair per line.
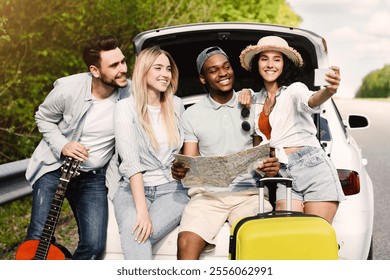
x,y
41,41
376,84
265,11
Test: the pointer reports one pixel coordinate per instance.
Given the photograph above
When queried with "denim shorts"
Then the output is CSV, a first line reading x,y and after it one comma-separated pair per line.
x,y
314,176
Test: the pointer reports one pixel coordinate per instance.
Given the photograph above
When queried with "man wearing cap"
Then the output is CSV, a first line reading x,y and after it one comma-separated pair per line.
x,y
217,125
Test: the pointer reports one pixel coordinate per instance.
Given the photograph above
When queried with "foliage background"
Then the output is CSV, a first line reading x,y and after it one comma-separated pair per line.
x,y
376,84
41,41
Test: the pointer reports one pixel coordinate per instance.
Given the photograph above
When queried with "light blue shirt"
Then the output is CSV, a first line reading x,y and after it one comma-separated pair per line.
x,y
133,150
60,119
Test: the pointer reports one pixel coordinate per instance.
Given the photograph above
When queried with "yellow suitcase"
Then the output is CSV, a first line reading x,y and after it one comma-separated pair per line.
x,y
282,235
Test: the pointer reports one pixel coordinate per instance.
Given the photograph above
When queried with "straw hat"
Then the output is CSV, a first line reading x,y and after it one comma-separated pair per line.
x,y
269,43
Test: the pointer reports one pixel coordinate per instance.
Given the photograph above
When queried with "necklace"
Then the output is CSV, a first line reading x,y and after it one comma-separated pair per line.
x,y
269,104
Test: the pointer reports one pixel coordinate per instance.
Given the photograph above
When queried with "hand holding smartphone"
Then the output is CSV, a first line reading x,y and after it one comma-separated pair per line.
x,y
320,75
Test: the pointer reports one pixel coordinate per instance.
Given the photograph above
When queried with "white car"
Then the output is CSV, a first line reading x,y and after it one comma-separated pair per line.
x,y
354,219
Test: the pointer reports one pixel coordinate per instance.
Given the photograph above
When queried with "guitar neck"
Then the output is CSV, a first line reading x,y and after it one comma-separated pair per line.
x,y
51,221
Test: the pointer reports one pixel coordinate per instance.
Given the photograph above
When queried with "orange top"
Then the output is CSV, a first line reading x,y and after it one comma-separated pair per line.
x,y
264,125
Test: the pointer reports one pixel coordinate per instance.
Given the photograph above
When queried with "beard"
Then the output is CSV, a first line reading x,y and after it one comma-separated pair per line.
x,y
112,82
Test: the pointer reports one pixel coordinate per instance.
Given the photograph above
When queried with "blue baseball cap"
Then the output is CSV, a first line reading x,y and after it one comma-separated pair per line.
x,y
205,54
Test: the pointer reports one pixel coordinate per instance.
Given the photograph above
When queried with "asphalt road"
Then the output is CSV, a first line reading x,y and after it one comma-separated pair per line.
x,y
375,144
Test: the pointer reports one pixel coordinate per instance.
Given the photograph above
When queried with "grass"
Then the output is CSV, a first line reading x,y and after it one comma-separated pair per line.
x,y
15,218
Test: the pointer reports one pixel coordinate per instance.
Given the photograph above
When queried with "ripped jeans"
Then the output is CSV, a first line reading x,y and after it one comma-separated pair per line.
x,y
87,196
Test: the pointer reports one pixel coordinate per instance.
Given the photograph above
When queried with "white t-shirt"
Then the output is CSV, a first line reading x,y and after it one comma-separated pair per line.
x,y
98,132
156,177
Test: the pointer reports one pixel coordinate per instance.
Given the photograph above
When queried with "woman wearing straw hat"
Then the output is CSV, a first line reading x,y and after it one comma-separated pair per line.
x,y
284,117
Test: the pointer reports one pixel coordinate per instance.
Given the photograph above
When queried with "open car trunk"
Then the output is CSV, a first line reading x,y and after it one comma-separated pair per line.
x,y
185,42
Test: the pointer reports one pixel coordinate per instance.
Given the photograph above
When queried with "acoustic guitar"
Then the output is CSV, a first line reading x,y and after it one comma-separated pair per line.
x,y
43,249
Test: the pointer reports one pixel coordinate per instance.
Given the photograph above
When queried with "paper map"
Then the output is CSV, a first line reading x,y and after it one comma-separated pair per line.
x,y
220,171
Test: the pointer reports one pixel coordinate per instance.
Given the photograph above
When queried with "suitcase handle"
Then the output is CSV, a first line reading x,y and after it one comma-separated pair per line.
x,y
285,181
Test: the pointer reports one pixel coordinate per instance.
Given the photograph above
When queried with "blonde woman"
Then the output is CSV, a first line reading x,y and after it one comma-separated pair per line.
x,y
148,202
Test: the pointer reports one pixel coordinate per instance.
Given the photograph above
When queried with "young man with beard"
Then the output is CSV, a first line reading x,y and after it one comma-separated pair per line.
x,y
217,125
76,120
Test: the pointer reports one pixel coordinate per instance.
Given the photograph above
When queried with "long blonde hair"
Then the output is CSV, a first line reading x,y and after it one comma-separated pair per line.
x,y
143,64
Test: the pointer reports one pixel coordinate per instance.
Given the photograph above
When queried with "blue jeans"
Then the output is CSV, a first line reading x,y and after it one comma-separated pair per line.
x,y
87,196
165,203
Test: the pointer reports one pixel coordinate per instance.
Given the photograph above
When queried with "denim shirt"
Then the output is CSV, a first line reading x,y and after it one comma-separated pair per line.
x,y
60,119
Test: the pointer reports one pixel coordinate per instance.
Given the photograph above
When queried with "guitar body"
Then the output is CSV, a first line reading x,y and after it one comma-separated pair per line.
x,y
28,249
43,249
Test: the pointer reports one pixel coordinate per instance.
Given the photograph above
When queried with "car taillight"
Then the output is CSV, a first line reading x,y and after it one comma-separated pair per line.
x,y
349,181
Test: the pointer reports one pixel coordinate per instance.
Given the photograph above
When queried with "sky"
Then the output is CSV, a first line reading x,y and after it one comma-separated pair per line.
x,y
357,33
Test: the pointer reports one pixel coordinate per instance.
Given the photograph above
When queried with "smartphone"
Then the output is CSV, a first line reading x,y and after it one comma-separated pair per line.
x,y
319,76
